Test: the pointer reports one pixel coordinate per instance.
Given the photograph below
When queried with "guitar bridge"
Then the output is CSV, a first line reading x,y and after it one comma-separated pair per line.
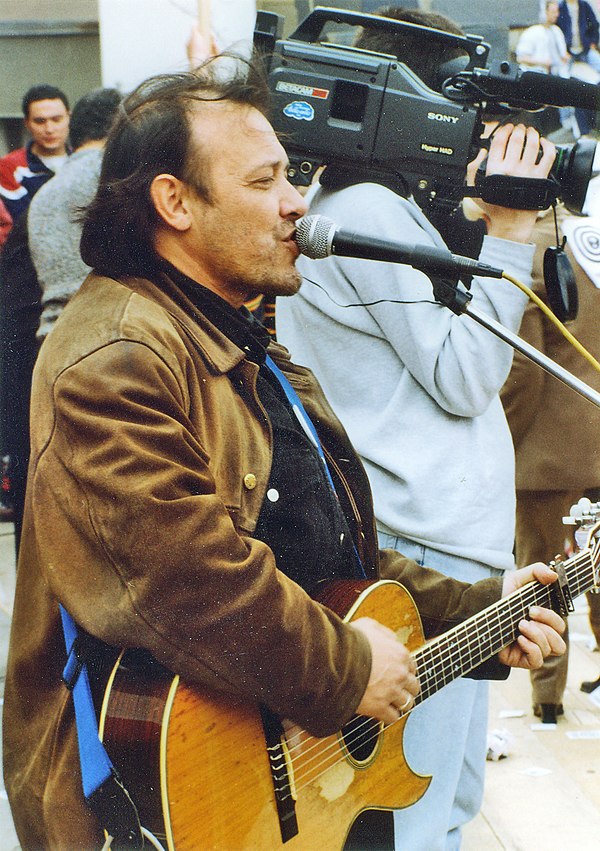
x,y
281,773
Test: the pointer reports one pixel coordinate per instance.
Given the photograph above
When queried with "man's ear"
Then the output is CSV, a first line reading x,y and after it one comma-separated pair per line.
x,y
169,196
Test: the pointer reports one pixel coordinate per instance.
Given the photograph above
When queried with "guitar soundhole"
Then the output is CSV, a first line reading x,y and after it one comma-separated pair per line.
x,y
361,738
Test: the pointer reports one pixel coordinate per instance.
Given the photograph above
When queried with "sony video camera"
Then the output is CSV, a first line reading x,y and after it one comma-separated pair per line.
x,y
336,104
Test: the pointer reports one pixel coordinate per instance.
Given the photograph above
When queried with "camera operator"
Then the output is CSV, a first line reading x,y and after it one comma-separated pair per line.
x,y
416,387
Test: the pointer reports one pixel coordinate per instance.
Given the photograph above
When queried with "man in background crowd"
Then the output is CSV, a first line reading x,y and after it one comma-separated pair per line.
x,y
24,171
579,23
542,47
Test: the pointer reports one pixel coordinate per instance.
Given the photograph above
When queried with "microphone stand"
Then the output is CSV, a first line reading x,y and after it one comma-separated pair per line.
x,y
458,301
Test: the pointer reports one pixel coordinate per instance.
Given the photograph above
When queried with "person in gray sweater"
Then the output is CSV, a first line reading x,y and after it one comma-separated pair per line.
x,y
417,389
41,269
53,226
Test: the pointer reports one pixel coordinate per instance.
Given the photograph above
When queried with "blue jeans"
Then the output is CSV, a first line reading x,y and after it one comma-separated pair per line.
x,y
446,736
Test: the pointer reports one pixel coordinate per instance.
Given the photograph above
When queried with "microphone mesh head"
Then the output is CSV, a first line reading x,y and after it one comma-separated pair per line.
x,y
313,236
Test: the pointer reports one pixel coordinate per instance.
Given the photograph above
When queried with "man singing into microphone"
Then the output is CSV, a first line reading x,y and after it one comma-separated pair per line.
x,y
416,387
177,501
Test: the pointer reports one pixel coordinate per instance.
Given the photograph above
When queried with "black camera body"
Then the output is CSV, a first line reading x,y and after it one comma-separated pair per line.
x,y
336,104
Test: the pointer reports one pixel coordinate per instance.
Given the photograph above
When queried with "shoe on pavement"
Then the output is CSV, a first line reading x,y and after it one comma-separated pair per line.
x,y
588,686
548,712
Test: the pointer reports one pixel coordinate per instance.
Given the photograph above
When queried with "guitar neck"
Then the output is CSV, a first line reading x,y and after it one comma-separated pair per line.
x,y
468,645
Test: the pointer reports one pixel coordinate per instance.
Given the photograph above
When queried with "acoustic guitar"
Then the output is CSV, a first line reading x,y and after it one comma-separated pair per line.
x,y
211,771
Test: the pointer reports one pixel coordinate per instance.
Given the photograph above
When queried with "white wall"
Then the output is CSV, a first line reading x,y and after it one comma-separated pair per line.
x,y
139,38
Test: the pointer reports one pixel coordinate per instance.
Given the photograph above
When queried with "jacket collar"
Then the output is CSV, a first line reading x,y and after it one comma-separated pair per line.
x,y
238,325
220,353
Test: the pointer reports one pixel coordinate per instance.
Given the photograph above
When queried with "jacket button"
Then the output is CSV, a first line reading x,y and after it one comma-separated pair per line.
x,y
250,481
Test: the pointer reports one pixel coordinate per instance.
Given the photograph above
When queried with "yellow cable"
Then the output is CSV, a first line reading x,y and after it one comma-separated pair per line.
x,y
554,319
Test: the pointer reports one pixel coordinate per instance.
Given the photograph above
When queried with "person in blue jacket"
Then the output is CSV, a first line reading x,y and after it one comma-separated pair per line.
x,y
579,24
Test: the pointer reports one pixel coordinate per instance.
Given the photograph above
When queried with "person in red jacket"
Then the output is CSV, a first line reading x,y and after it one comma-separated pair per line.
x,y
22,172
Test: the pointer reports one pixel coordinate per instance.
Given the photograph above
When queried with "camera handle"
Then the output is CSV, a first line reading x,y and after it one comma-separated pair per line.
x,y
311,29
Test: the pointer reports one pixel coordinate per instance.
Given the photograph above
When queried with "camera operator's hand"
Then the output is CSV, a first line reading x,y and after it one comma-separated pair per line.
x,y
514,150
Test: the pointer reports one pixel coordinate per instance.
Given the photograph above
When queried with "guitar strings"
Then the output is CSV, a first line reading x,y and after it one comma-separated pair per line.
x,y
310,771
366,727
526,596
430,675
477,646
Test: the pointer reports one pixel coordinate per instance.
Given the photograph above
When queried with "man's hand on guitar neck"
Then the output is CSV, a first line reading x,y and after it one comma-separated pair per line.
x,y
541,635
393,684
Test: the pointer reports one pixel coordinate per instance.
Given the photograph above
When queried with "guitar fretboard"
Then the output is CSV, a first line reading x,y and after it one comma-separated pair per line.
x,y
468,645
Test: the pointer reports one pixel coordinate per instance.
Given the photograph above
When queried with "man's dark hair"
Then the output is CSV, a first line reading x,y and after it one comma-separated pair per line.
x,y
422,56
151,136
42,91
92,116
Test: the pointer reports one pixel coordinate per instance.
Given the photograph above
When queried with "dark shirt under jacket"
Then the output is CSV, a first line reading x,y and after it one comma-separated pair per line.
x,y
301,520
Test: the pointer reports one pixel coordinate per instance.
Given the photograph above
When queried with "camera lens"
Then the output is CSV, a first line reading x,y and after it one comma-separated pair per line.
x,y
573,168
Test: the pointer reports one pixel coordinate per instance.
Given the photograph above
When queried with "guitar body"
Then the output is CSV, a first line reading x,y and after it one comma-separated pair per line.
x,y
197,765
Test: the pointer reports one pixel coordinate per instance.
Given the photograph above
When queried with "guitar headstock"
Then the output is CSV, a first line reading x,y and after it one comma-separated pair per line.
x,y
585,516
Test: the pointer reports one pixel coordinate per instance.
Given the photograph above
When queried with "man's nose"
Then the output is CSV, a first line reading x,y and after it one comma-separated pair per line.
x,y
297,203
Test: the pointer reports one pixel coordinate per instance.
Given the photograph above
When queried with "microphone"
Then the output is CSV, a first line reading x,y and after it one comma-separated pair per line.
x,y
318,237
533,88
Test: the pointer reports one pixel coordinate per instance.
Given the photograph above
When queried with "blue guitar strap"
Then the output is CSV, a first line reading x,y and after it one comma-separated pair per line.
x,y
308,428
96,766
102,787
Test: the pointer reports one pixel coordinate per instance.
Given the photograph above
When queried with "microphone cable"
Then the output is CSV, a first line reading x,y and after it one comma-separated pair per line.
x,y
579,347
554,319
368,303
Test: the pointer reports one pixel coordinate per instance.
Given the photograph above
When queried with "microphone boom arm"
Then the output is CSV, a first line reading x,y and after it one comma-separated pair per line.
x,y
535,355
458,301
463,306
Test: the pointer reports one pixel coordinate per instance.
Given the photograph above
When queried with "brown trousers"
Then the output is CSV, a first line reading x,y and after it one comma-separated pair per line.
x,y
540,536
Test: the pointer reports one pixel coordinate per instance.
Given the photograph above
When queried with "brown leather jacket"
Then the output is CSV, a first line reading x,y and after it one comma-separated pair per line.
x,y
150,459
